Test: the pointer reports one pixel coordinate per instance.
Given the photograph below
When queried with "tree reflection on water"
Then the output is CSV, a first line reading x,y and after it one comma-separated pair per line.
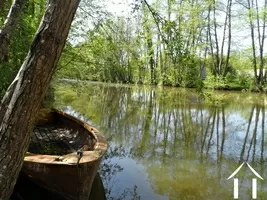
x,y
183,147
109,170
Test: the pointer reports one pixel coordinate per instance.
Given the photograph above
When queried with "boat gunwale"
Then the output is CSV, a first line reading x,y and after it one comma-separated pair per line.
x,y
98,151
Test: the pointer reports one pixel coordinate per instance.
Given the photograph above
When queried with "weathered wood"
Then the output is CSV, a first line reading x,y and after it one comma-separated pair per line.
x,y
61,167
24,96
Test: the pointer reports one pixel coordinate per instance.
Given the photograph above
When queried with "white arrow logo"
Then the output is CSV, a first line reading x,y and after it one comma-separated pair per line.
x,y
254,181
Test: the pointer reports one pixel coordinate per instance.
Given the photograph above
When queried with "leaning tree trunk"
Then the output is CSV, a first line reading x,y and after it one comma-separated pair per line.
x,y
8,28
25,94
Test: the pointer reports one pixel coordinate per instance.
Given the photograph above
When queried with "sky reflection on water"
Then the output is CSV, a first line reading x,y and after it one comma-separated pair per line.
x,y
169,144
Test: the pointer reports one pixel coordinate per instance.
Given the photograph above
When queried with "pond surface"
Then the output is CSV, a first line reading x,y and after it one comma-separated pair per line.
x,y
167,143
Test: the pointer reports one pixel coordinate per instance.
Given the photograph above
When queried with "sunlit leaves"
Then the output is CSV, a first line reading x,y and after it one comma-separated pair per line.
x,y
22,37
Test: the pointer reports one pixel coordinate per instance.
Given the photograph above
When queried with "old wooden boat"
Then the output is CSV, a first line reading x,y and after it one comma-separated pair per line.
x,y
64,154
27,189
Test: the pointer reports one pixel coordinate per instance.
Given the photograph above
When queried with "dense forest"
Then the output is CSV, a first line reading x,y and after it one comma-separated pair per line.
x,y
186,43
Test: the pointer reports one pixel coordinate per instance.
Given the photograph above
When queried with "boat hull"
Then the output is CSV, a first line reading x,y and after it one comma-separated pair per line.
x,y
72,182
28,189
69,175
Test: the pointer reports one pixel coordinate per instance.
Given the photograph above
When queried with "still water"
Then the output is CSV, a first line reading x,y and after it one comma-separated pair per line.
x,y
167,143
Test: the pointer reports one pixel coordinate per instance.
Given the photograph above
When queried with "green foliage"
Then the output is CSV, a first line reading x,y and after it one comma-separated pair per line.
x,y
107,56
232,81
238,77
153,50
143,47
241,61
191,74
245,80
114,53
6,76
21,41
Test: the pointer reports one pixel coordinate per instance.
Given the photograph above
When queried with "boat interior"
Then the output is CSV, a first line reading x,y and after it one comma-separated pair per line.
x,y
55,134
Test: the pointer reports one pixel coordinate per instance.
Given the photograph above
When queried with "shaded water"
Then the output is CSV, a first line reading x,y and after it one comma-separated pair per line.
x,y
166,143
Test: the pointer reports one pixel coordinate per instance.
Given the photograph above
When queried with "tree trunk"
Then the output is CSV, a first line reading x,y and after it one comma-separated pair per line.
x,y
25,94
261,37
213,59
221,57
216,38
252,35
9,27
229,13
150,55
